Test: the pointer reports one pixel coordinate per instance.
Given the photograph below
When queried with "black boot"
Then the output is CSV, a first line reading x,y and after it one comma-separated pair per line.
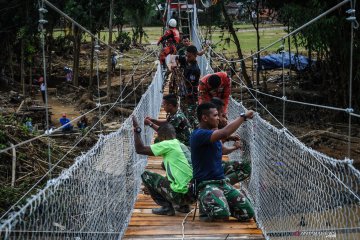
x,y
183,208
169,211
164,66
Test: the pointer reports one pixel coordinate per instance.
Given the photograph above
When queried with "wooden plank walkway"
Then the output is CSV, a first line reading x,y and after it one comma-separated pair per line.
x,y
145,225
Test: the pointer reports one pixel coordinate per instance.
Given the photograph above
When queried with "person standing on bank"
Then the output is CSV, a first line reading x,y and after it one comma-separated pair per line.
x,y
43,91
218,198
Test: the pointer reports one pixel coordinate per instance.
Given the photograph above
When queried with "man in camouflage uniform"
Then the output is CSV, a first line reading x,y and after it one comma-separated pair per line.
x,y
218,199
172,189
235,171
191,82
175,117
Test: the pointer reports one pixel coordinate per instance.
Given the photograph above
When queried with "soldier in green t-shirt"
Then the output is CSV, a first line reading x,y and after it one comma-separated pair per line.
x,y
172,189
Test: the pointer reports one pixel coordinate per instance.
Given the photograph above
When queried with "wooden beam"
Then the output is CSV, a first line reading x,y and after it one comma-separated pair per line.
x,y
19,108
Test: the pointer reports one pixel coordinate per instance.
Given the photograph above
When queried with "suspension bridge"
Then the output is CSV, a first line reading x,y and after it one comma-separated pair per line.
x,y
296,191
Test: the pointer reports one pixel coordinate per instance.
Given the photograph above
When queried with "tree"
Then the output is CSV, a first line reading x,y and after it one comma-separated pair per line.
x,y
18,36
119,16
231,29
76,10
139,12
254,9
97,21
109,51
88,14
328,39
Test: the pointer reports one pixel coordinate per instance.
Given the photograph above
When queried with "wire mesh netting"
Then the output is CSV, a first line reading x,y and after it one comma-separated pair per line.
x,y
94,198
296,191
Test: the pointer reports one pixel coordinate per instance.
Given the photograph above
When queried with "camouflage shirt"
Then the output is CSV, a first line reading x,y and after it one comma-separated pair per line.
x,y
181,125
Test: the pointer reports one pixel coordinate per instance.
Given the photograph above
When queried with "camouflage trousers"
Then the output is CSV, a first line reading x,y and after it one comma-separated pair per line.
x,y
236,171
189,109
160,191
218,200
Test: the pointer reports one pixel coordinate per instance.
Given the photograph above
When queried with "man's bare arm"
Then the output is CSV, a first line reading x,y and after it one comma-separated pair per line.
x,y
139,145
230,128
228,150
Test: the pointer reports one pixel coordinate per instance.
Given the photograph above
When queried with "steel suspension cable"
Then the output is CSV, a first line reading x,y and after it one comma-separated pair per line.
x,y
78,25
256,100
58,162
42,21
97,51
283,80
311,152
72,121
352,12
347,110
295,31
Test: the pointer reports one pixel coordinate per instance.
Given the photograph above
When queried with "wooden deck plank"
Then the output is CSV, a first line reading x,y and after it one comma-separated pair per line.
x,y
145,225
175,221
189,229
198,237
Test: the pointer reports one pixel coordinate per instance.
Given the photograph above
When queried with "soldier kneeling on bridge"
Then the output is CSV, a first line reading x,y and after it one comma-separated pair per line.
x,y
173,189
218,198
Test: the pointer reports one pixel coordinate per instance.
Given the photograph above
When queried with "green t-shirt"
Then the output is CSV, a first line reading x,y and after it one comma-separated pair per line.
x,y
177,163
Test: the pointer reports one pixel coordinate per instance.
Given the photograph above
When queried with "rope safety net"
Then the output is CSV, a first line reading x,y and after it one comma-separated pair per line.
x,y
295,190
93,199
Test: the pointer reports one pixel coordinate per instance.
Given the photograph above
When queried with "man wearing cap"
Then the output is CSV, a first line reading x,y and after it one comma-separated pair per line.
x,y
65,123
215,85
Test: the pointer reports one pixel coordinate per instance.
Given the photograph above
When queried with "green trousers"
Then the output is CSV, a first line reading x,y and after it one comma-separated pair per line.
x,y
219,199
161,193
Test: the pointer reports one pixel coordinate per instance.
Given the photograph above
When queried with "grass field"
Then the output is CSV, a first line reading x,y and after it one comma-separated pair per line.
x,y
247,38
247,41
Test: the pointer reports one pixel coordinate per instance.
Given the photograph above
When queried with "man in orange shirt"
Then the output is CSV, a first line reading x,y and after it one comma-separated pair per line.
x,y
215,85
169,40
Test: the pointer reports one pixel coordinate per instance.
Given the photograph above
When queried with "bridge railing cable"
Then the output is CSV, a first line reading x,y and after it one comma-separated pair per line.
x,y
72,148
243,84
296,191
120,99
52,6
14,226
49,133
92,199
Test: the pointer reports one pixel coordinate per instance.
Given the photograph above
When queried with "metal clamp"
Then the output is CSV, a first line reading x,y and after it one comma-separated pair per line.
x,y
255,61
43,10
42,21
352,18
349,110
